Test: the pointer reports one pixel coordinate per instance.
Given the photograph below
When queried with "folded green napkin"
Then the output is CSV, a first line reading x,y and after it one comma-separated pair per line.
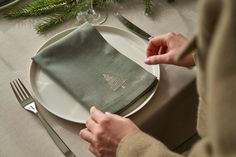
x,y
93,72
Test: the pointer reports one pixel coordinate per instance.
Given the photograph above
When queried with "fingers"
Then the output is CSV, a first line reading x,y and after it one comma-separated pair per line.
x,y
159,59
162,50
96,114
104,132
155,44
91,125
152,50
86,135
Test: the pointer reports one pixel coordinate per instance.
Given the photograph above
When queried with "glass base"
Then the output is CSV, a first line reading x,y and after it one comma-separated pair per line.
x,y
91,16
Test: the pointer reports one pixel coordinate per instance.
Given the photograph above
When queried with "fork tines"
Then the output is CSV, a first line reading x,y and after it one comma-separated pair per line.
x,y
19,90
28,103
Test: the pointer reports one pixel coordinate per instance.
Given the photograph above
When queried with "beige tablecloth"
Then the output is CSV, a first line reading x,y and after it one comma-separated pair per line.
x,y
169,116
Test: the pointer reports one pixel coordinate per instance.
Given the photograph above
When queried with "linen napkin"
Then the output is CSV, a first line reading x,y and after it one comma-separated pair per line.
x,y
94,72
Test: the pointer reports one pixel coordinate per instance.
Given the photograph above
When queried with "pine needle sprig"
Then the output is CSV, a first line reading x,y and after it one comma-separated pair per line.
x,y
36,8
51,22
59,11
148,7
104,2
61,17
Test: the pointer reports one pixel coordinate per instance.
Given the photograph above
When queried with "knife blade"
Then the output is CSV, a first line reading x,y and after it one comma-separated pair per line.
x,y
6,3
132,27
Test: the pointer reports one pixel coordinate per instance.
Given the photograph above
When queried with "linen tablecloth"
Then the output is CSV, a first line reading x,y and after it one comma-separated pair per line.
x,y
21,133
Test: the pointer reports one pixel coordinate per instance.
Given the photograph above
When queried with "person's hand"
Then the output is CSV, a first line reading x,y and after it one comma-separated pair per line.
x,y
105,131
164,48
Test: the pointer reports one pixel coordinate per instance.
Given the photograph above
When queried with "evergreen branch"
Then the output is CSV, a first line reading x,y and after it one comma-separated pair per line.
x,y
59,11
51,21
104,2
61,17
35,8
148,7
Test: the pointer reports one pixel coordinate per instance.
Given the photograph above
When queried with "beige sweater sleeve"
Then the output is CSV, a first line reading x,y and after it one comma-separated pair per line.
x,y
222,83
140,144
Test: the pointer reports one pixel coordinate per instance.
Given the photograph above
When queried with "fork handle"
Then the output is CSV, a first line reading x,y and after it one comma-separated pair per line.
x,y
58,141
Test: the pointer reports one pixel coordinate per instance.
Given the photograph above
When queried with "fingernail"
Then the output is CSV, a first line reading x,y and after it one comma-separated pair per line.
x,y
147,61
92,108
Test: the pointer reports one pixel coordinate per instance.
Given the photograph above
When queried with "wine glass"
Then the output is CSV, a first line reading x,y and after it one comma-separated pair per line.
x,y
92,16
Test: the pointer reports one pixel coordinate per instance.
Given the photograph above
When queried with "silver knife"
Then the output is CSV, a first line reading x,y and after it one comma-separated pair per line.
x,y
132,27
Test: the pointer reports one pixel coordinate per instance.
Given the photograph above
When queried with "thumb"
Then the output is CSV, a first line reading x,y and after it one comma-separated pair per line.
x,y
158,59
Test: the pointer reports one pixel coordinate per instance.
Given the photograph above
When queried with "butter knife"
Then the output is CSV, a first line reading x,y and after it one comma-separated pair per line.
x,y
132,27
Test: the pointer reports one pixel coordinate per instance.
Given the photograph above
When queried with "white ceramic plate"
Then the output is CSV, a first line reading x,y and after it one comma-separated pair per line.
x,y
57,101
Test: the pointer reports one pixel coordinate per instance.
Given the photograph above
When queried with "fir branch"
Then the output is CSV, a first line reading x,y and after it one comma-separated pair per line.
x,y
148,7
58,11
35,8
51,21
61,17
102,3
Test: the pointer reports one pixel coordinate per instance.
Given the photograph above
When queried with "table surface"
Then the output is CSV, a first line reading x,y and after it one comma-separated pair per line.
x,y
21,133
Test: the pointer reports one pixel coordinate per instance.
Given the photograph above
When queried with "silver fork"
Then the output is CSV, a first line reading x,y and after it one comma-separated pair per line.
x,y
28,103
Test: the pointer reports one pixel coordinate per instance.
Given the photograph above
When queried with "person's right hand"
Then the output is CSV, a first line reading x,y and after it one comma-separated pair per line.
x,y
164,48
104,131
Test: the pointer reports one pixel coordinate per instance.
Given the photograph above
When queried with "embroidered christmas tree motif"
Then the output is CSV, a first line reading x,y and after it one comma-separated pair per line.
x,y
114,82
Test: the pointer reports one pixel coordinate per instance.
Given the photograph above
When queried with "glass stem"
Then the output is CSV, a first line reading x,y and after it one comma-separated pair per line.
x,y
92,11
91,4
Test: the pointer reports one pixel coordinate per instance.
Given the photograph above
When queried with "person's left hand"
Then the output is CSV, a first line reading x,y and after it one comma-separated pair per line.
x,y
105,131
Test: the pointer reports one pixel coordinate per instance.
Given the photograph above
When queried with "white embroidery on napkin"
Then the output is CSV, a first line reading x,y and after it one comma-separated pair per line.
x,y
114,82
